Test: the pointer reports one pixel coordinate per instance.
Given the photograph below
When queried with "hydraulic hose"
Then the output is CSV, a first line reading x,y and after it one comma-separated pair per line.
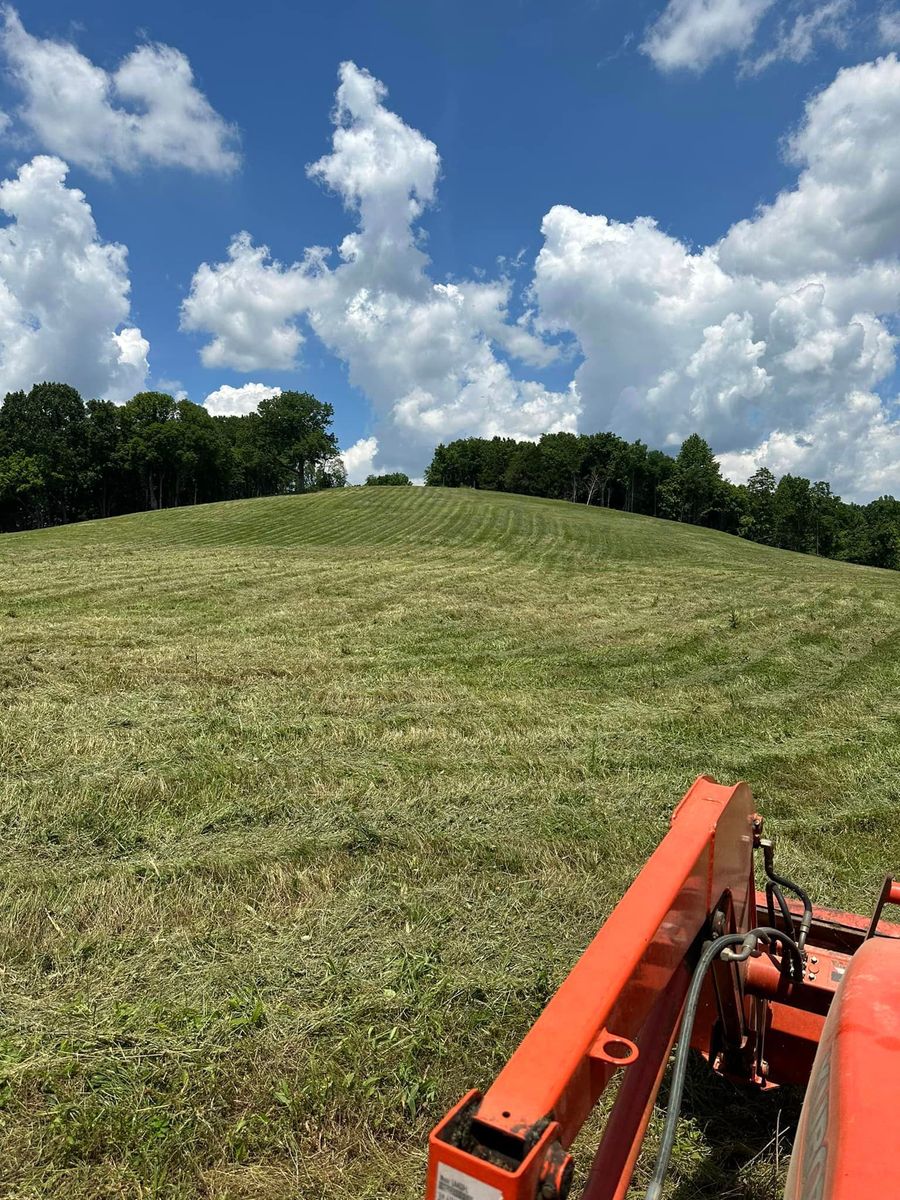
x,y
780,882
711,951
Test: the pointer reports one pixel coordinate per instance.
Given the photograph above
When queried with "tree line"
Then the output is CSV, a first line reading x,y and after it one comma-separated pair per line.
x,y
603,469
64,459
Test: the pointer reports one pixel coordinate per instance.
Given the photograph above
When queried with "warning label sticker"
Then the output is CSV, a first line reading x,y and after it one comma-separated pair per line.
x,y
454,1185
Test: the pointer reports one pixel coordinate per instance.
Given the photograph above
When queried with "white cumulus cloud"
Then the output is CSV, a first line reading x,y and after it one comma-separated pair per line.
x,y
774,339
64,293
690,34
250,305
765,341
845,208
853,444
148,111
359,459
431,355
227,401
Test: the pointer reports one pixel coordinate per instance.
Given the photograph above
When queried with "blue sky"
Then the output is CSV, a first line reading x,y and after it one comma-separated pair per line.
x,y
591,107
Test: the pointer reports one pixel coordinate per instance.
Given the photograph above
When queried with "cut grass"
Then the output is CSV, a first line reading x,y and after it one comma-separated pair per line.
x,y
308,804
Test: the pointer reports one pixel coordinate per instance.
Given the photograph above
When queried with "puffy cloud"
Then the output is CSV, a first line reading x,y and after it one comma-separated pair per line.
x,y
720,384
379,166
781,326
432,356
249,304
846,205
855,443
227,401
149,110
359,459
690,34
63,292
764,341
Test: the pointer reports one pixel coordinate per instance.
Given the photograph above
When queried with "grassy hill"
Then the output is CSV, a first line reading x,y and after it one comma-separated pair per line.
x,y
309,803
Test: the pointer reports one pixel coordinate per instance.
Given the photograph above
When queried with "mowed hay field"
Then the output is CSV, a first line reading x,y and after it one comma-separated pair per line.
x,y
308,804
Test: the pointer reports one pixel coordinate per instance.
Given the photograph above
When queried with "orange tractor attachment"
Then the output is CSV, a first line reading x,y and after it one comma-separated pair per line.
x,y
767,988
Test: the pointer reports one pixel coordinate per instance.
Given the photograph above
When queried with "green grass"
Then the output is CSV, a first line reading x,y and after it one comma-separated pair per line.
x,y
308,804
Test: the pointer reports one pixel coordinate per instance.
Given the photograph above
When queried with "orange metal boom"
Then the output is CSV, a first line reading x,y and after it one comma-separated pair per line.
x,y
620,1008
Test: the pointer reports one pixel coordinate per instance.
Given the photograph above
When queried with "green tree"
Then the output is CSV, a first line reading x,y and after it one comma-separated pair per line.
x,y
331,473
21,487
524,471
628,467
253,471
825,506
102,473
149,444
202,455
659,471
601,468
48,424
854,541
696,483
597,465
561,455
759,521
389,479
792,508
732,509
458,464
295,430
438,470
882,518
493,458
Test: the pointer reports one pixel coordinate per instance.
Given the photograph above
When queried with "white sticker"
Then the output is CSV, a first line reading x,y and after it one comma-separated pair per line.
x,y
454,1185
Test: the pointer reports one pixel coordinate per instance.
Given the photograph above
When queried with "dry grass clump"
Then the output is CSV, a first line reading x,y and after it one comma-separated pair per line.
x,y
308,804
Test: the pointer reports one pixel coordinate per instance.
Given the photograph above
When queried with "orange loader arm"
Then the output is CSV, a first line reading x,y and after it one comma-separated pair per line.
x,y
759,1018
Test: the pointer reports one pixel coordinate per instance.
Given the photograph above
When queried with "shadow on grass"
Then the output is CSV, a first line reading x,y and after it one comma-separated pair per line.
x,y
733,1142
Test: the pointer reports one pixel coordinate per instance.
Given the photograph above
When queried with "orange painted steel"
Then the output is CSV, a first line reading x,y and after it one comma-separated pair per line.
x,y
618,1012
845,1147
542,1097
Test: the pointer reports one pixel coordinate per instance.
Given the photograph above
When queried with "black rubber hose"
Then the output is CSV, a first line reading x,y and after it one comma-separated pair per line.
x,y
803,897
708,955
772,934
772,889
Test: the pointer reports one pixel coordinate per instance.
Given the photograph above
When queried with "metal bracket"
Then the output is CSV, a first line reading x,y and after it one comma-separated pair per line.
x,y
890,894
